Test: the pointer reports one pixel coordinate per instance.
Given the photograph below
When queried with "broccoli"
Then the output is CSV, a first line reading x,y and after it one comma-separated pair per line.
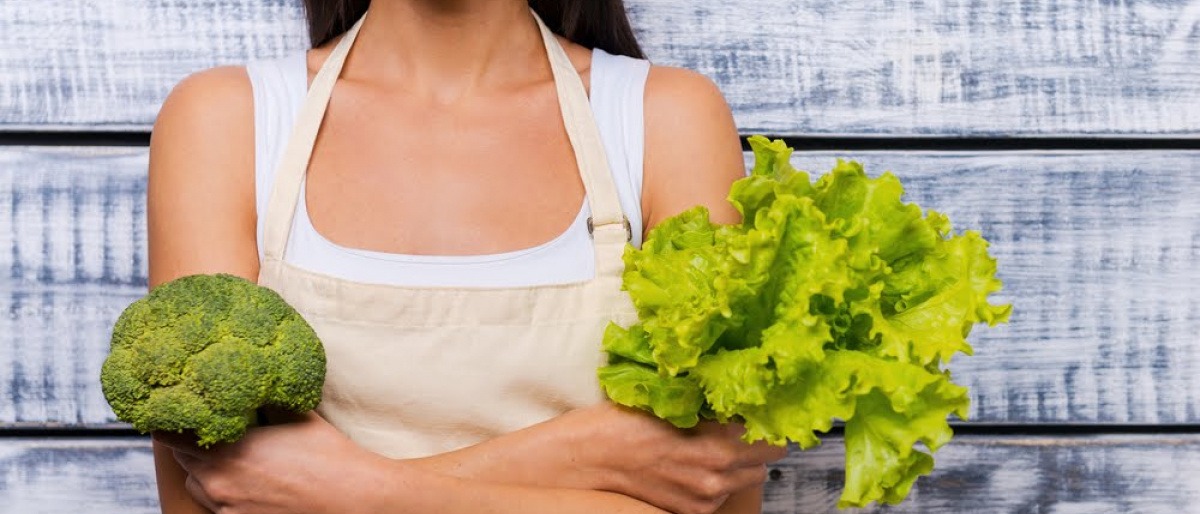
x,y
204,353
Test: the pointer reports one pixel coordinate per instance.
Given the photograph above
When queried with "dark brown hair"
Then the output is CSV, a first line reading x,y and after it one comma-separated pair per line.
x,y
599,24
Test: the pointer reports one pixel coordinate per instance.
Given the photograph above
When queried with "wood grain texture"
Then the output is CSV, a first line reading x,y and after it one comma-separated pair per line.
x,y
1081,475
1093,475
789,67
108,64
1100,255
1100,252
72,230
73,476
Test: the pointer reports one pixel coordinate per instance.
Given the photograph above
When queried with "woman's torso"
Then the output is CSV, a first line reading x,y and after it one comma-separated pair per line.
x,y
421,368
616,95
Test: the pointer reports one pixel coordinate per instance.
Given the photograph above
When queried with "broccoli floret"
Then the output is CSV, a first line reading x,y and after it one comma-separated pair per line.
x,y
203,353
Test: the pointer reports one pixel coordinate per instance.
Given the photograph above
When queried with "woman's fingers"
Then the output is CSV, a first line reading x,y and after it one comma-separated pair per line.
x,y
688,471
185,443
187,461
743,454
763,453
199,494
745,478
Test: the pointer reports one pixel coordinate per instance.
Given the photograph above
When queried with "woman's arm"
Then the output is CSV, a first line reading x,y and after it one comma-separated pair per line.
x,y
611,448
541,466
200,205
202,220
693,151
309,467
693,155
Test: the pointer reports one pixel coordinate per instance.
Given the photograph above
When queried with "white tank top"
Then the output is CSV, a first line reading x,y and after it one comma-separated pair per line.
x,y
617,88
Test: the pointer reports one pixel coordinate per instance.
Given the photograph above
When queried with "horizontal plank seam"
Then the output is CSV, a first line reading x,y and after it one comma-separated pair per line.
x,y
1049,429
981,144
66,432
802,143
966,429
31,138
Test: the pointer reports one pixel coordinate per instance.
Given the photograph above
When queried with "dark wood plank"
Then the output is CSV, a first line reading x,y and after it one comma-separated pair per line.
x,y
943,68
1100,252
1135,474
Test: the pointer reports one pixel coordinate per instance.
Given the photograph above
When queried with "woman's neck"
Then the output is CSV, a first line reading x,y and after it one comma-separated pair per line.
x,y
447,49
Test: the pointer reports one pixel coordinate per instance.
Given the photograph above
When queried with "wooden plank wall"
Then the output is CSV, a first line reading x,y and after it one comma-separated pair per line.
x,y
1083,168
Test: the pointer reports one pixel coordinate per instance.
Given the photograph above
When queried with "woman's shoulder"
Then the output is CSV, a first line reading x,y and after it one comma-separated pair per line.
x,y
686,97
675,102
227,93
206,103
693,151
203,136
218,107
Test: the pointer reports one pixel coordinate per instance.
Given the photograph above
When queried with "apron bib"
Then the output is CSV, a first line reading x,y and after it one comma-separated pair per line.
x,y
414,372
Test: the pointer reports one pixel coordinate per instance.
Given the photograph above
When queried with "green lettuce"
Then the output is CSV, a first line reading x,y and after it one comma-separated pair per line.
x,y
831,301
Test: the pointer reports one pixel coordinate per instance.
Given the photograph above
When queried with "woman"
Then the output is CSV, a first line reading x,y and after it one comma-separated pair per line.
x,y
425,217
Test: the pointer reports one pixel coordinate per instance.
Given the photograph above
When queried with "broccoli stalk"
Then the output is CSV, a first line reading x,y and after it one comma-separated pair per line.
x,y
203,353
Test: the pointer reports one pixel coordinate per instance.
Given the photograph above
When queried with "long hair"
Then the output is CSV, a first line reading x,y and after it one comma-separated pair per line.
x,y
599,24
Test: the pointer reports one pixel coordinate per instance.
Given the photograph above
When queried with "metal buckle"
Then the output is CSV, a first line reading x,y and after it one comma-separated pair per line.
x,y
624,221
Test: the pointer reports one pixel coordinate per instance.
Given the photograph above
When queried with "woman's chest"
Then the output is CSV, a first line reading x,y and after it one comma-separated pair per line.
x,y
403,177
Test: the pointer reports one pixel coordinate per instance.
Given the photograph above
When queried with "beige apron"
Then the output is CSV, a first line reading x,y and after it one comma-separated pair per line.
x,y
419,371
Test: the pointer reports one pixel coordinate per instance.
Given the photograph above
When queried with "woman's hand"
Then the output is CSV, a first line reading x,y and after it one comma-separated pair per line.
x,y
610,448
682,471
301,467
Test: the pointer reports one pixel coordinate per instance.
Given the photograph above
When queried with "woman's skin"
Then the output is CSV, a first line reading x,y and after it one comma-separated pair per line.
x,y
446,124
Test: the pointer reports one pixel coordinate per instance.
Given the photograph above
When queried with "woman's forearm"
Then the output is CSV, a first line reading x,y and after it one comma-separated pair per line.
x,y
538,456
747,501
571,452
554,467
414,490
172,494
450,495
471,496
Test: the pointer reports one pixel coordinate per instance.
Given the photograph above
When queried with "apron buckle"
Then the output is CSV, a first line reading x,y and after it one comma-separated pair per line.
x,y
624,220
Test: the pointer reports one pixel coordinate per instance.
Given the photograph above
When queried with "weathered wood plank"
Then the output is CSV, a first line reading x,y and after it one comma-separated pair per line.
x,y
1096,474
1134,474
1100,252
72,226
70,476
943,68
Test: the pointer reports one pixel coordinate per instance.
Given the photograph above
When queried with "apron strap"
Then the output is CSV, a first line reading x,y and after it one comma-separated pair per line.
x,y
285,193
610,229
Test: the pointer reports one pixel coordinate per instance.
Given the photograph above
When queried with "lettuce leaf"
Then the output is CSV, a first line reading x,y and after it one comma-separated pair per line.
x,y
831,301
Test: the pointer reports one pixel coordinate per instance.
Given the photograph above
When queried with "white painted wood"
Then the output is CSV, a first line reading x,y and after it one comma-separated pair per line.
x,y
984,474
858,67
1100,252
108,64
72,230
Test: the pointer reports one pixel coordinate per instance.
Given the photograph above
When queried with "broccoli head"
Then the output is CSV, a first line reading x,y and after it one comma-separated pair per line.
x,y
205,352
